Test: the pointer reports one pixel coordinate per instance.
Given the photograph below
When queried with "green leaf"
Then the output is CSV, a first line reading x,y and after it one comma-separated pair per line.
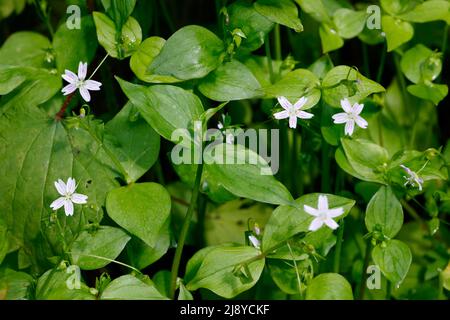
x,y
243,15
296,84
141,208
143,57
396,7
432,92
346,82
245,174
283,12
316,9
74,45
330,38
190,53
133,141
231,81
413,64
25,48
61,284
166,108
225,270
15,285
106,242
329,286
394,260
287,221
427,11
349,23
129,287
4,246
284,274
384,213
397,32
118,45
119,10
367,159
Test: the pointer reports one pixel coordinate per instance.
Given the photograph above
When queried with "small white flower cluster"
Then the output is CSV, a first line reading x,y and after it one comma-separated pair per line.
x,y
350,117
79,82
68,196
412,178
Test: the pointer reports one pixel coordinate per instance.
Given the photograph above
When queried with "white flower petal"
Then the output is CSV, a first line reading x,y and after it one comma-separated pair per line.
x,y
349,127
300,103
79,198
315,224
92,85
357,108
334,213
331,223
281,115
71,186
285,103
60,187
322,203
68,207
346,105
310,210
361,122
82,70
255,242
70,88
58,203
408,170
304,115
292,122
69,76
340,118
85,94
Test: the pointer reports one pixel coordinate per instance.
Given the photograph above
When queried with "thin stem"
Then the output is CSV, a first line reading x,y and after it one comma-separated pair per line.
x,y
299,282
337,253
64,106
277,40
44,17
184,231
269,59
61,233
366,60
99,65
166,15
159,172
325,179
444,46
411,211
362,285
382,64
110,260
388,290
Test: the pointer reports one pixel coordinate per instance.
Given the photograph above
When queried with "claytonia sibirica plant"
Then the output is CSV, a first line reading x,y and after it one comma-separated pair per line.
x,y
68,196
214,163
350,117
79,82
292,111
323,215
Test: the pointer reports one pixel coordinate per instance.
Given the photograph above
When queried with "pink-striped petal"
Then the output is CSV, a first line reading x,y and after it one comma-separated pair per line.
x,y
284,103
346,105
85,94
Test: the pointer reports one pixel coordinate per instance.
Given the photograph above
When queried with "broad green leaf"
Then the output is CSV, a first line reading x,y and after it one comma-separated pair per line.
x,y
396,7
133,141
129,287
366,158
119,10
225,270
15,285
141,208
166,108
329,286
184,293
284,274
397,32
11,77
394,260
321,67
118,45
71,46
244,16
296,84
26,48
37,152
330,38
316,9
349,23
430,91
3,240
245,174
384,213
190,53
427,11
414,64
287,221
143,57
283,12
8,7
63,283
106,242
231,81
346,82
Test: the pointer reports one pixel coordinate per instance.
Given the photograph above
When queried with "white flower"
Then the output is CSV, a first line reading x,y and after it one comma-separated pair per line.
x,y
254,241
413,178
79,82
350,116
228,134
68,196
323,214
292,111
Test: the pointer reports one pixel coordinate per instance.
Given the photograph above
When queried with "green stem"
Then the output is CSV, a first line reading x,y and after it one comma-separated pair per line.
x,y
337,253
99,65
277,40
159,172
382,64
444,47
366,60
325,174
61,233
362,285
269,59
184,231
388,290
166,15
110,260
